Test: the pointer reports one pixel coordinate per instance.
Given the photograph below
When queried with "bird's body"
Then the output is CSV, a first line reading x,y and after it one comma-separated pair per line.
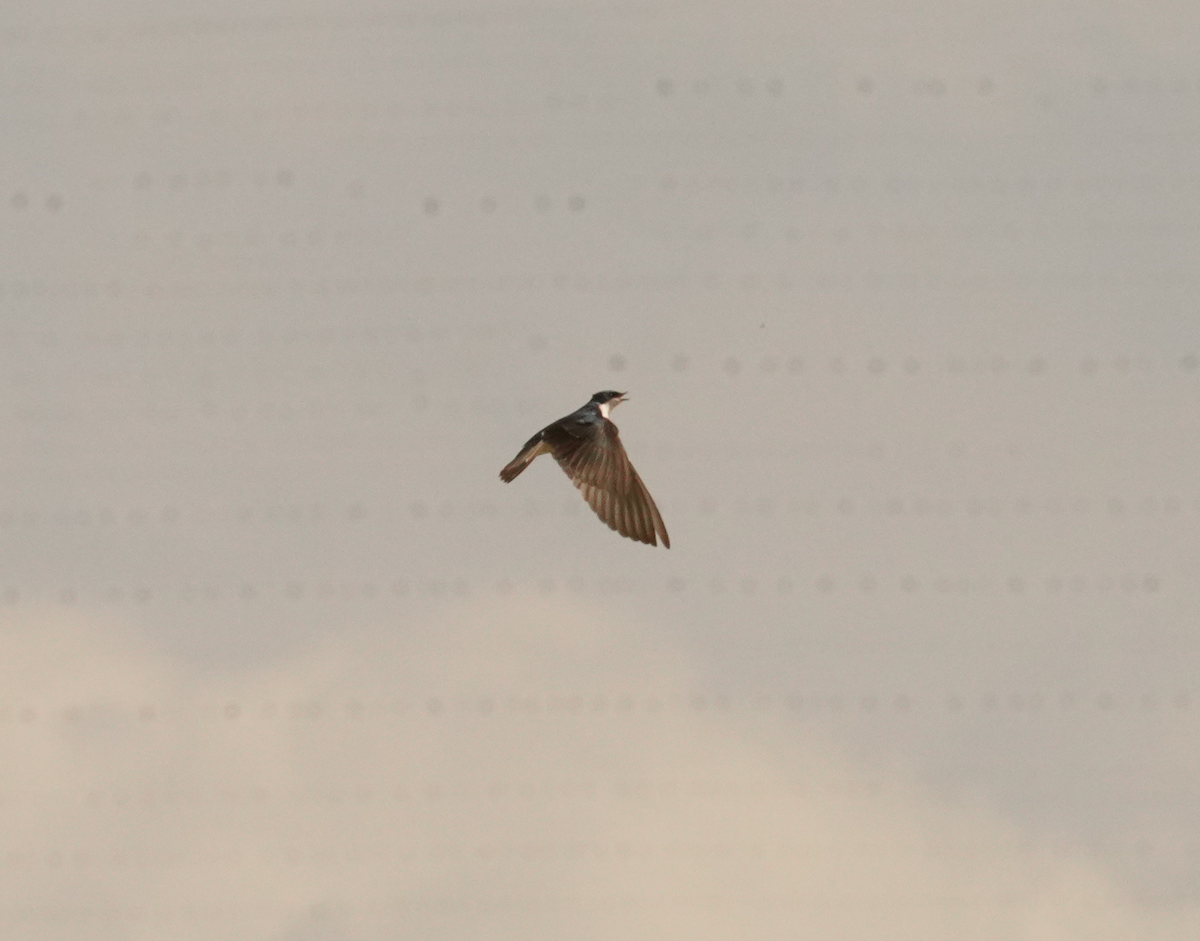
x,y
588,448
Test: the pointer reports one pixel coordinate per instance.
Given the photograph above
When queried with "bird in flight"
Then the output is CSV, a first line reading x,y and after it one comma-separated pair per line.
x,y
588,448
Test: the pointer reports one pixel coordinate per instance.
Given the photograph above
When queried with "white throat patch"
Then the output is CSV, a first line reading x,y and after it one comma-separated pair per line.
x,y
605,408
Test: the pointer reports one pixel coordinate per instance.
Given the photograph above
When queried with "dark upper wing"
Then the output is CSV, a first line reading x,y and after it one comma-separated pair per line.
x,y
591,454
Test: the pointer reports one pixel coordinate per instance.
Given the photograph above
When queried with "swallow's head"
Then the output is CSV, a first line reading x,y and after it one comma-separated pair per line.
x,y
608,400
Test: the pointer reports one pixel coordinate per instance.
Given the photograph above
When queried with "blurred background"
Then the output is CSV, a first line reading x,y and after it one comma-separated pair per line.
x,y
904,296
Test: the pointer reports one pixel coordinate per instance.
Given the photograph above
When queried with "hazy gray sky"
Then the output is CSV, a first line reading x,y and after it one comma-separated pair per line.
x,y
905,299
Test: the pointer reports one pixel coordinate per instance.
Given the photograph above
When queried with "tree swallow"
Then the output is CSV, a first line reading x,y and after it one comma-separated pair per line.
x,y
588,448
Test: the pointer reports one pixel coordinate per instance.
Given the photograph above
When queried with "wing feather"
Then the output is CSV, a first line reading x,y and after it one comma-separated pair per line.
x,y
595,460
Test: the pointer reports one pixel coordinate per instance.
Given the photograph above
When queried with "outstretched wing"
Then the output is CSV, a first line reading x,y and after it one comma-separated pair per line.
x,y
597,464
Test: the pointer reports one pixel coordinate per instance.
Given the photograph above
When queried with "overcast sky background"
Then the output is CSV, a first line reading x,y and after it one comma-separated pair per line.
x,y
905,299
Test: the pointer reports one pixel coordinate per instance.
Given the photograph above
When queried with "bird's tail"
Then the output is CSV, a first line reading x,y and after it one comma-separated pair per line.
x,y
533,447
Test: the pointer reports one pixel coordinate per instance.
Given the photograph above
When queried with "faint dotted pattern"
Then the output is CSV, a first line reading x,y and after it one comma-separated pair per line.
x,y
962,86
396,588
1097,88
26,408
789,282
18,519
21,202
317,712
1029,365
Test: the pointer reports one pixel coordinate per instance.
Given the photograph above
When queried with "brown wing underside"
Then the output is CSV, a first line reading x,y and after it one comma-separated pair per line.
x,y
598,465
